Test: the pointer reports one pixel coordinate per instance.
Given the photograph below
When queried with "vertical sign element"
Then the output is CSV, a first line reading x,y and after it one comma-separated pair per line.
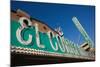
x,y
82,30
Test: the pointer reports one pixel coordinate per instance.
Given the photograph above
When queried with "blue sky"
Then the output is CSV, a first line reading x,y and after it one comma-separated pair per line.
x,y
56,15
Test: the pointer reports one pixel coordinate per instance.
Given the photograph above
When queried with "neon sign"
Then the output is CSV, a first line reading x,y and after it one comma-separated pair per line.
x,y
26,35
